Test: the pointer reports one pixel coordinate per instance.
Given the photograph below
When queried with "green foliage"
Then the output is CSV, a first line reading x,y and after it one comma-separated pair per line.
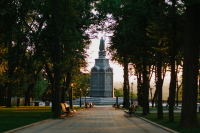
x,y
81,83
40,87
47,94
27,42
134,95
180,93
119,92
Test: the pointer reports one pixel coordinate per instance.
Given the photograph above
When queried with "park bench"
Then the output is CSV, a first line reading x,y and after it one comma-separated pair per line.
x,y
116,106
66,109
91,105
67,106
131,110
86,105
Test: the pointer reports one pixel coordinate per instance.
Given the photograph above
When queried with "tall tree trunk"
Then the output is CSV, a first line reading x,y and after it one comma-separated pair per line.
x,y
27,98
5,100
139,90
31,86
27,94
199,85
172,60
69,78
53,95
3,95
8,103
9,96
155,94
52,84
3,87
159,3
126,84
18,101
190,67
154,98
172,88
63,91
159,85
148,89
145,90
57,112
2,98
63,95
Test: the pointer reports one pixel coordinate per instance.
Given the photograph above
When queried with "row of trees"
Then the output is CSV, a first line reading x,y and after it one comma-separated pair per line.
x,y
47,39
154,37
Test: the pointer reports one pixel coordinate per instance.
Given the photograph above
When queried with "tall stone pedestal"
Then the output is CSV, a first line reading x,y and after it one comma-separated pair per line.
x,y
101,81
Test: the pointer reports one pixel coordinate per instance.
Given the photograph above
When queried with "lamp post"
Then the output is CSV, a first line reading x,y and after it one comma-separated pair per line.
x,y
71,97
132,94
80,97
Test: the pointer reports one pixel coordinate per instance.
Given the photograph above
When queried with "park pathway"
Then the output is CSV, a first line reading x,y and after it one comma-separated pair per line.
x,y
98,120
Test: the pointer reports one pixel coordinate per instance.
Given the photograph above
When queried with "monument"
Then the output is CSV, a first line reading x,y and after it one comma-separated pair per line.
x,y
101,81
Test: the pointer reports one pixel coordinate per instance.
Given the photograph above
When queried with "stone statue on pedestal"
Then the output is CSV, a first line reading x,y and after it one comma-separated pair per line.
x,y
102,45
101,81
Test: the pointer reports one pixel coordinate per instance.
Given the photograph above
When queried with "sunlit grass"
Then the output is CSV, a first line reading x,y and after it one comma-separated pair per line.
x,y
78,108
172,125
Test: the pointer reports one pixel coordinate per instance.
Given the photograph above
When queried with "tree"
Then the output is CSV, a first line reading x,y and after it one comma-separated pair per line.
x,y
57,112
119,92
190,66
172,88
13,35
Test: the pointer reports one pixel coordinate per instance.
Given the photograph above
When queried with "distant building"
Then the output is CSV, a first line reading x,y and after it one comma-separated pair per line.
x,y
101,81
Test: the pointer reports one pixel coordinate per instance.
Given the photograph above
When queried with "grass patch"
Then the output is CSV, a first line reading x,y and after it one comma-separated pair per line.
x,y
151,109
15,117
78,108
155,108
19,116
172,125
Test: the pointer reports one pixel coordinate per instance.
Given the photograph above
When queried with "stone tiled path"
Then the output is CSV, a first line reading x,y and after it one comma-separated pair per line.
x,y
98,120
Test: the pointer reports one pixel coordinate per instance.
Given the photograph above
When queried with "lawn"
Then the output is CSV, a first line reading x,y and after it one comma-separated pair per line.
x,y
150,108
15,117
172,125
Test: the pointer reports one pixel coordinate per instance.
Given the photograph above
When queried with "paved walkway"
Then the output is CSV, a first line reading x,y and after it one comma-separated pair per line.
x,y
98,120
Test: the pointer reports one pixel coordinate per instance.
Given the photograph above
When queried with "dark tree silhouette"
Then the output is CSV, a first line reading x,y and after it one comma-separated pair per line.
x,y
190,66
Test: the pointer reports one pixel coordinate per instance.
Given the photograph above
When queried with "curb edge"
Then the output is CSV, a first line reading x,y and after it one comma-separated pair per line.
x,y
158,125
